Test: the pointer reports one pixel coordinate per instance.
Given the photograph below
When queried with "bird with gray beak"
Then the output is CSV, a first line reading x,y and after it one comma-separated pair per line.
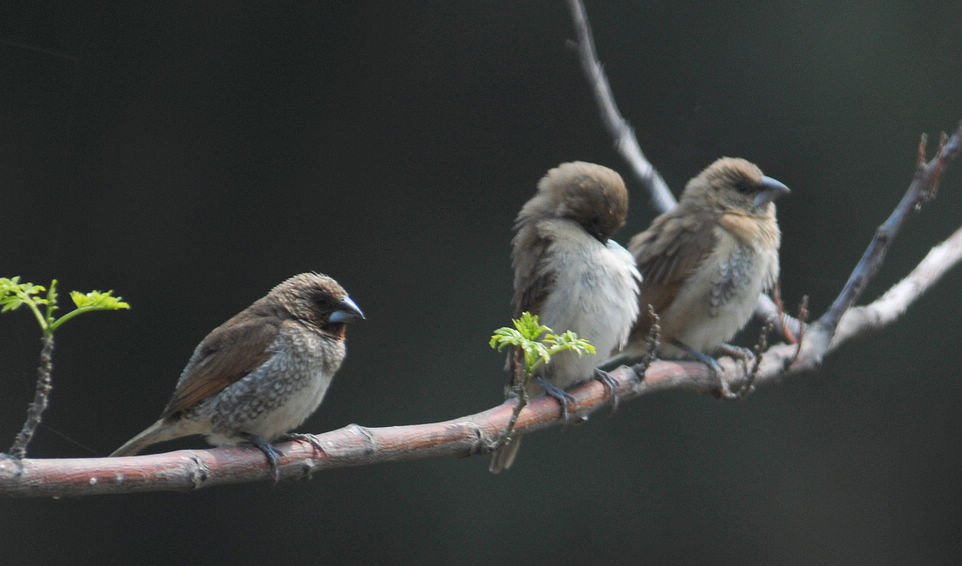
x,y
706,261
263,372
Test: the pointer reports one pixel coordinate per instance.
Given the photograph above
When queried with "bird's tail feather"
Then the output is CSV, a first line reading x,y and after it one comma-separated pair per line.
x,y
158,432
503,457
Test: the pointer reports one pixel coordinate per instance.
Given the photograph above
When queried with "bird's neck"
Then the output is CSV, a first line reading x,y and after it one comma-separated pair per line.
x,y
750,229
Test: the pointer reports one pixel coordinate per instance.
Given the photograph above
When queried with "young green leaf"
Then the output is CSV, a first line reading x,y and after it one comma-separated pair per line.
x,y
527,335
96,300
92,301
14,294
569,341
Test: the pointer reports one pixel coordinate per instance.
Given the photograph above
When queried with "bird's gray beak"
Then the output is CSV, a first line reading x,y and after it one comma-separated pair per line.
x,y
347,312
771,190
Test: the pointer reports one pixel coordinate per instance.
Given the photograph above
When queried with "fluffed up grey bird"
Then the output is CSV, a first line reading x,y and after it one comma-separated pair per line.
x,y
570,273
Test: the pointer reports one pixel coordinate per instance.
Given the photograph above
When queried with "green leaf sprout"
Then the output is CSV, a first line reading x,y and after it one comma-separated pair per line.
x,y
526,335
538,343
14,294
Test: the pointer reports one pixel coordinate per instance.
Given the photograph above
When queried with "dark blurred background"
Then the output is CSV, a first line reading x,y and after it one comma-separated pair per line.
x,y
192,155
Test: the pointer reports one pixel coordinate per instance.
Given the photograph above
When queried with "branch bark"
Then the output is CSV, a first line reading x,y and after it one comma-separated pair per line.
x,y
356,445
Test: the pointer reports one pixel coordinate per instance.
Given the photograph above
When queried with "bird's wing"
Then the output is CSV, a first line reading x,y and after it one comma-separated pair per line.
x,y
227,354
533,281
533,276
670,250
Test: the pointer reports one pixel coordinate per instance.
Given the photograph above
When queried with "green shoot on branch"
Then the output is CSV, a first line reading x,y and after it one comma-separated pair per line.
x,y
13,295
527,337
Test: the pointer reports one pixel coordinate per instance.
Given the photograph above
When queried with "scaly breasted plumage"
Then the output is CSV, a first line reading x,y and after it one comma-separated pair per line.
x,y
261,373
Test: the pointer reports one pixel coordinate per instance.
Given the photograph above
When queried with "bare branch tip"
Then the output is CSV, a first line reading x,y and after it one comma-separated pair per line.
x,y
780,313
760,347
923,141
802,319
654,333
651,344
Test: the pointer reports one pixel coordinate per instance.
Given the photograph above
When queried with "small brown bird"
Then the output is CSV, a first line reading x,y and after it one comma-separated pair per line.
x,y
707,260
261,373
568,271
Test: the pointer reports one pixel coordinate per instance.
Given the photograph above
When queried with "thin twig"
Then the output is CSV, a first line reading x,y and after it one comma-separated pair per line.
x,y
896,301
522,402
625,141
780,308
767,311
43,50
41,399
651,342
923,186
802,318
759,351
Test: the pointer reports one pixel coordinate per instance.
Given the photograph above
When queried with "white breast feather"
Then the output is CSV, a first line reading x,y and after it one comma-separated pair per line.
x,y
595,295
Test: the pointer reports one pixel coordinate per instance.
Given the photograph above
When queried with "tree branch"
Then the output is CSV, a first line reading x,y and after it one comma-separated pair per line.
x,y
355,445
625,141
895,302
922,189
41,398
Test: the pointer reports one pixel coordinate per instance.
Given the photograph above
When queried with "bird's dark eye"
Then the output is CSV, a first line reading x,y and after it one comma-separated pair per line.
x,y
744,187
323,302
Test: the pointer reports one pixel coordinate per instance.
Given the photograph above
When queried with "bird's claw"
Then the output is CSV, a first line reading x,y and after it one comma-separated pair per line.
x,y
611,384
268,451
306,437
724,390
737,352
747,357
559,394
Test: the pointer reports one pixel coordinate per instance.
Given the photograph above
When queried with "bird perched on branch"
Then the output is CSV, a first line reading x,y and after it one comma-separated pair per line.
x,y
570,273
261,373
706,261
